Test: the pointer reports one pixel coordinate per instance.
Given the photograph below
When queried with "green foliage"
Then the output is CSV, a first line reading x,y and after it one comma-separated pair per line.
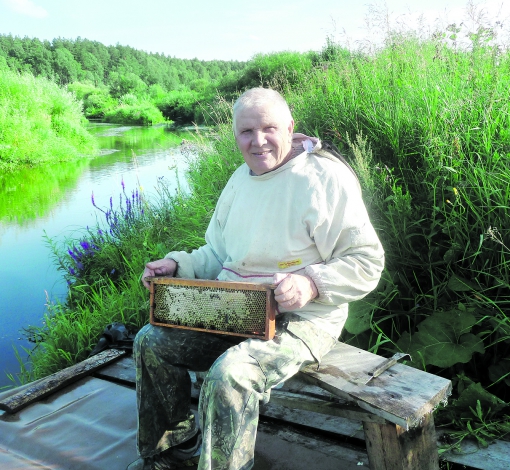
x,y
180,106
69,334
475,414
443,339
270,70
432,152
39,122
96,101
116,71
143,113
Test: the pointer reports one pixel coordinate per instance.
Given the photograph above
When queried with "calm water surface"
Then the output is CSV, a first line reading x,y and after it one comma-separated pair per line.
x,y
56,200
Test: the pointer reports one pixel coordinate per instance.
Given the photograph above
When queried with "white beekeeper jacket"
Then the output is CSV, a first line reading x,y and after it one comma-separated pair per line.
x,y
305,217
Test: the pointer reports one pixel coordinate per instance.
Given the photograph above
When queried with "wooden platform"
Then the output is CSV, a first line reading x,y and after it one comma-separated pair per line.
x,y
316,415
290,437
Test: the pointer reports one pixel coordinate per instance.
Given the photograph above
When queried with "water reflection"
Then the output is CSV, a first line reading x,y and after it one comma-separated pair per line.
x,y
32,192
56,199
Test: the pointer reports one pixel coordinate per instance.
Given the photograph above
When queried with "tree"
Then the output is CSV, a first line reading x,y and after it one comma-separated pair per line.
x,y
66,68
128,83
94,68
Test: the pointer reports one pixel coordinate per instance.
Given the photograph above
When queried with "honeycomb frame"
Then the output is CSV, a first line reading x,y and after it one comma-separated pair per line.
x,y
232,308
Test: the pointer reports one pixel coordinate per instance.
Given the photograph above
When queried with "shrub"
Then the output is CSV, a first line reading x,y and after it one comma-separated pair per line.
x,y
39,122
142,113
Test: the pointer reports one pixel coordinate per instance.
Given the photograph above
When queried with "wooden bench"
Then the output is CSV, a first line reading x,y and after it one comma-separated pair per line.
x,y
396,408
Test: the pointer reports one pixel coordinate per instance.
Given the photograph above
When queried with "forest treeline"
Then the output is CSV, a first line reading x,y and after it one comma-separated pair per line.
x,y
122,84
68,61
119,82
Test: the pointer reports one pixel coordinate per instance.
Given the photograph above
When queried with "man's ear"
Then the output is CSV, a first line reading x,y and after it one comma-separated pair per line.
x,y
291,127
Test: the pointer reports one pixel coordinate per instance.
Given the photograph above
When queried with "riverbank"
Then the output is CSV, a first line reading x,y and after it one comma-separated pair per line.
x,y
54,201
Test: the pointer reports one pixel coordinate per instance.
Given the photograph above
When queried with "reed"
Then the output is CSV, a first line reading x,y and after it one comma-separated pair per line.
x,y
426,126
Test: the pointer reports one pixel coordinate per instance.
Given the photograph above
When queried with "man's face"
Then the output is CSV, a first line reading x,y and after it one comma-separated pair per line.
x,y
264,137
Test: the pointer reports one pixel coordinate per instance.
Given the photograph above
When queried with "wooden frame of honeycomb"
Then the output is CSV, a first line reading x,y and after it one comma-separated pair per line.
x,y
231,308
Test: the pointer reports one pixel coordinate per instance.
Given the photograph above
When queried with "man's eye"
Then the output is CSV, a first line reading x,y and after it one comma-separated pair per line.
x,y
270,129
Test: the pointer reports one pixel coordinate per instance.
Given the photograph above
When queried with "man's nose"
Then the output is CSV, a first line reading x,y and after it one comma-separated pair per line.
x,y
259,138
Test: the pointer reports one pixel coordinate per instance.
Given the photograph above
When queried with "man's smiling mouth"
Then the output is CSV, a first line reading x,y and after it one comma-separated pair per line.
x,y
261,154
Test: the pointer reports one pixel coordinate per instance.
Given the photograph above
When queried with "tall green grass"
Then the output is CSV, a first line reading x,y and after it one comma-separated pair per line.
x,y
39,122
428,130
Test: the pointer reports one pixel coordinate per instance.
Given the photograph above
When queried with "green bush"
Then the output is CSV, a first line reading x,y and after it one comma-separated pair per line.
x,y
273,70
180,106
142,113
39,122
96,101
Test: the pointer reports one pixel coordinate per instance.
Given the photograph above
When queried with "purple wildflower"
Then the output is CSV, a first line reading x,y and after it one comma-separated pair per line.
x,y
85,245
93,202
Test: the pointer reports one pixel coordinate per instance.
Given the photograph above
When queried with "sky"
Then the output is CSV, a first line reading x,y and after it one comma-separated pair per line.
x,y
231,29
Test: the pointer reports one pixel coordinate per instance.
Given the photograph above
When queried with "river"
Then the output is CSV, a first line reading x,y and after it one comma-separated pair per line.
x,y
56,200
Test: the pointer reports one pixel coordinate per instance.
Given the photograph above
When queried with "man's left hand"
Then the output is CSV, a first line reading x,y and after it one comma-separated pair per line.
x,y
294,290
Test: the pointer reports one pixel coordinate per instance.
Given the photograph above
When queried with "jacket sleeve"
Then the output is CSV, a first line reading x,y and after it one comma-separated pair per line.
x,y
353,257
202,263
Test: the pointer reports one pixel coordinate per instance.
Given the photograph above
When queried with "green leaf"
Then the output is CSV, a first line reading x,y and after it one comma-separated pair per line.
x,y
476,397
459,284
444,339
500,371
360,314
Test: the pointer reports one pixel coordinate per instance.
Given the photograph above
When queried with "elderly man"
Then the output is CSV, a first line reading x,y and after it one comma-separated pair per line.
x,y
293,216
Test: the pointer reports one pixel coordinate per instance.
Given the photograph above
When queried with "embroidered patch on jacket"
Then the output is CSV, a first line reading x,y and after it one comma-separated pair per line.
x,y
289,264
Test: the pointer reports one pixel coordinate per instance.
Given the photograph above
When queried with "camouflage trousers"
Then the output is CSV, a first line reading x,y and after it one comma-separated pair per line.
x,y
240,374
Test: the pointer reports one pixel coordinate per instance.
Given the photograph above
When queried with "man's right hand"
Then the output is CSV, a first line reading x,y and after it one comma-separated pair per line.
x,y
161,267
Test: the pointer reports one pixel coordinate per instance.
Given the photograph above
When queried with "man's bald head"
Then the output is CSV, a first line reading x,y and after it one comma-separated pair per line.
x,y
260,98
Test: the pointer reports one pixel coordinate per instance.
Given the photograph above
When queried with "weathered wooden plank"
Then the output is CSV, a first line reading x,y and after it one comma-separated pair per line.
x,y
402,394
317,405
297,385
494,457
23,396
391,447
285,448
342,427
122,370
